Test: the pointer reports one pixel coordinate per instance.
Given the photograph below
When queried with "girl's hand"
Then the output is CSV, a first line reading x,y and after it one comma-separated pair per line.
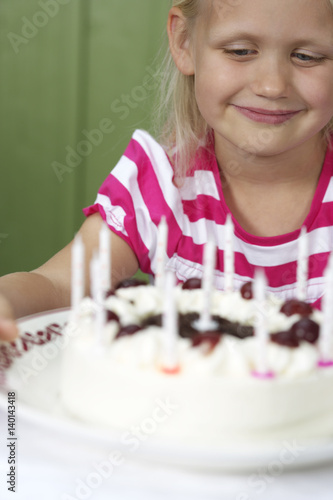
x,y
49,286
8,327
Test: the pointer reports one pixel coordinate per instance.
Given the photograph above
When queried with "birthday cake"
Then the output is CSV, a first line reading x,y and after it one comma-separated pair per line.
x,y
212,388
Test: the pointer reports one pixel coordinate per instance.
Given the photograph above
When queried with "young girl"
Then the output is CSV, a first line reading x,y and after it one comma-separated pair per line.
x,y
248,107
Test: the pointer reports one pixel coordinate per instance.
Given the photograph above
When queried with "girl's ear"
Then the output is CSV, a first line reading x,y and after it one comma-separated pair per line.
x,y
179,41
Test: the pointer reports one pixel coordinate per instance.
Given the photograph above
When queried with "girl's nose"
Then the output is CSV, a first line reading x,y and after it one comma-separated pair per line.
x,y
271,78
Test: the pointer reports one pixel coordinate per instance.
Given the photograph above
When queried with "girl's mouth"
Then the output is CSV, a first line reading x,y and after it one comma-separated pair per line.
x,y
271,117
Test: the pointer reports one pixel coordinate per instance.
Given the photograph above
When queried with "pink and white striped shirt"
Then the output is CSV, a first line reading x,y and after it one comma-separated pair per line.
x,y
140,189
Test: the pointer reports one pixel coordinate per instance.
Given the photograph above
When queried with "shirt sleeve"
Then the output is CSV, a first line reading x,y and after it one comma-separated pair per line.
x,y
132,198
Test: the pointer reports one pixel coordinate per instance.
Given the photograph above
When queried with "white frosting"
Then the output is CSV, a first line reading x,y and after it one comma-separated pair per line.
x,y
216,394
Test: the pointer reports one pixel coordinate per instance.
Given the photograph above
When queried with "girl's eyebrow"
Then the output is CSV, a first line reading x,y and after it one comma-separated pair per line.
x,y
232,36
314,43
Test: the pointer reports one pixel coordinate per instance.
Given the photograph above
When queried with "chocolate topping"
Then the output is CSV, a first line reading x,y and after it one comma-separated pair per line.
x,y
286,338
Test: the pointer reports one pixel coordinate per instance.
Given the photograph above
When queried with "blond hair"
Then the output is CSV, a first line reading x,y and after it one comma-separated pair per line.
x,y
183,128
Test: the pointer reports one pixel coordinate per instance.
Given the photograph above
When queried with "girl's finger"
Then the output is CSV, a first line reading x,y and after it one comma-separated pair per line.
x,y
8,330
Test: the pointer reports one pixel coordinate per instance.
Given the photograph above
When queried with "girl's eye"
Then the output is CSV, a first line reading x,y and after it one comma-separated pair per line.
x,y
300,57
239,52
305,58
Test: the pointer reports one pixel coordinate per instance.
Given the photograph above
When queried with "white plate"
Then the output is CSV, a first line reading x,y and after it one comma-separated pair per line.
x,y
35,379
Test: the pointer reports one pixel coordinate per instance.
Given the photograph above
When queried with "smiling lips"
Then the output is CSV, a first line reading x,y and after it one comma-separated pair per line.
x,y
271,117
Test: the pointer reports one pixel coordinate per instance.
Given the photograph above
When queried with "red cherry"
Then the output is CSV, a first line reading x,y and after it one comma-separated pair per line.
x,y
294,306
247,291
306,329
128,330
129,283
212,338
112,316
192,284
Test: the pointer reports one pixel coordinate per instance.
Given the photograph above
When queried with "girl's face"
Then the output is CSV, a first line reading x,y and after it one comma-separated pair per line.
x,y
264,72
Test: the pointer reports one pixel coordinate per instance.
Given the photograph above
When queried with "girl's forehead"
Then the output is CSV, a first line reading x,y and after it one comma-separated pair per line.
x,y
218,7
283,18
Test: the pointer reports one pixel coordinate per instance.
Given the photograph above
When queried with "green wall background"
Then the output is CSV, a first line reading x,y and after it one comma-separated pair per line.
x,y
75,75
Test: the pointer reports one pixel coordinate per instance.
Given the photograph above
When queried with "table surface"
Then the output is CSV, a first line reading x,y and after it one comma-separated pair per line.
x,y
51,468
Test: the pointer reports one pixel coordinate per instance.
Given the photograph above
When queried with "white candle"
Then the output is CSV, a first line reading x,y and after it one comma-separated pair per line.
x,y
77,273
261,331
161,253
229,258
170,325
95,277
205,321
105,256
302,265
326,329
97,296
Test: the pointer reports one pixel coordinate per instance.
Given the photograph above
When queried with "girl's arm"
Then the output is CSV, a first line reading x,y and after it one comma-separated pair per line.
x,y
49,286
